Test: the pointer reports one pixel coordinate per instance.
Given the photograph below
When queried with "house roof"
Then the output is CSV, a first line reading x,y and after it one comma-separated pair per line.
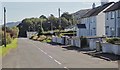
x,y
97,10
116,6
81,26
81,13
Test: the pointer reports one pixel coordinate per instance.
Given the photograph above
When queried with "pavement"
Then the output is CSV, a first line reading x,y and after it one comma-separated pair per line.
x,y
34,54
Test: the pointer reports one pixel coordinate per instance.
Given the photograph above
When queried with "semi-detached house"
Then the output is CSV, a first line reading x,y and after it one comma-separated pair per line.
x,y
95,21
112,20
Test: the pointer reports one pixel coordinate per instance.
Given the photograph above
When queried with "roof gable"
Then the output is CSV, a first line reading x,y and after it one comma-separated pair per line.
x,y
97,10
116,6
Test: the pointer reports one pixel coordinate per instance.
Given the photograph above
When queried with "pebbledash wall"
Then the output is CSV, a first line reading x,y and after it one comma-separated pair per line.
x,y
112,20
112,24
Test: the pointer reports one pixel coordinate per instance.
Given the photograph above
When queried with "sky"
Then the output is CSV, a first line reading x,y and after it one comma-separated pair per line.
x,y
20,9
54,0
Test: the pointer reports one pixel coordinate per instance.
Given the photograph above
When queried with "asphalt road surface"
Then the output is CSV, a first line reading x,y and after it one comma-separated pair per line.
x,y
34,54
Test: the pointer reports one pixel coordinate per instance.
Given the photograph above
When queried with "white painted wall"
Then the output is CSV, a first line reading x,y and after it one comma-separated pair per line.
x,y
111,24
95,25
83,32
100,26
118,23
92,25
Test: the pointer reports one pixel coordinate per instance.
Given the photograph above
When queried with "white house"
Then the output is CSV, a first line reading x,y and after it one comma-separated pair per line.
x,y
112,20
95,20
80,27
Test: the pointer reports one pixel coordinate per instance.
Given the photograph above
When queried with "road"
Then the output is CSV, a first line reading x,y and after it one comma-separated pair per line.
x,y
34,54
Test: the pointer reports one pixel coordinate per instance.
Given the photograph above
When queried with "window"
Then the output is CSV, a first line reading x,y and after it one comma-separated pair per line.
x,y
118,31
107,30
112,15
112,29
118,13
107,15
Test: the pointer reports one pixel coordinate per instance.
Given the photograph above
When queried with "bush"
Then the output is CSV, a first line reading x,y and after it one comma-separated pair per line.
x,y
8,39
113,40
38,38
110,41
14,32
31,37
41,38
35,38
11,33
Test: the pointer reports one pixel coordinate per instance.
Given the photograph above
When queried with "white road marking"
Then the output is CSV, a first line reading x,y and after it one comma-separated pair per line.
x,y
50,56
67,68
57,62
45,53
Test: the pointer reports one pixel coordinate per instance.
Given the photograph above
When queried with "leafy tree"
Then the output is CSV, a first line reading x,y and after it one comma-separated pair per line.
x,y
64,22
67,16
42,16
44,23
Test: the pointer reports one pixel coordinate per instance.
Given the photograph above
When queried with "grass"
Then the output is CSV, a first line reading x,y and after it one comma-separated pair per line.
x,y
5,50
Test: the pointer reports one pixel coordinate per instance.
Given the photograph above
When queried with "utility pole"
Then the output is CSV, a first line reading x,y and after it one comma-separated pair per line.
x,y
4,26
73,24
59,20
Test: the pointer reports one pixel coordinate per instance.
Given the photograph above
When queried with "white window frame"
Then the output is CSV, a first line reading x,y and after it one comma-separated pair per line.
x,y
112,15
107,15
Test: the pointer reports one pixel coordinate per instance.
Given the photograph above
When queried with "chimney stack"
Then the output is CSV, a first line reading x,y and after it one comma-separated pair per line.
x,y
93,6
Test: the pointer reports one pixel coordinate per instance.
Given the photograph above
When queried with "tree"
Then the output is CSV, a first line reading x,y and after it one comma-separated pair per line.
x,y
27,23
64,22
42,16
67,16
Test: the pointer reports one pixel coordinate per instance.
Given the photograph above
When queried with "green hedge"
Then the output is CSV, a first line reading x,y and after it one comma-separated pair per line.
x,y
113,40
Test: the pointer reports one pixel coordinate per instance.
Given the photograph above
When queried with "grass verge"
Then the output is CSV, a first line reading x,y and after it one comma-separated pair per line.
x,y
5,50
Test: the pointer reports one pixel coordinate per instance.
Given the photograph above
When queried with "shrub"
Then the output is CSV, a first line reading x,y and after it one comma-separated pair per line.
x,y
113,40
11,33
8,38
41,38
110,41
31,37
1,37
35,37
14,32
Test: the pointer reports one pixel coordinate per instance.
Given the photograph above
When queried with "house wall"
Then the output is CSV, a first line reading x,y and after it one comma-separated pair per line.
x,y
100,24
109,24
112,25
84,32
81,32
117,23
92,25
